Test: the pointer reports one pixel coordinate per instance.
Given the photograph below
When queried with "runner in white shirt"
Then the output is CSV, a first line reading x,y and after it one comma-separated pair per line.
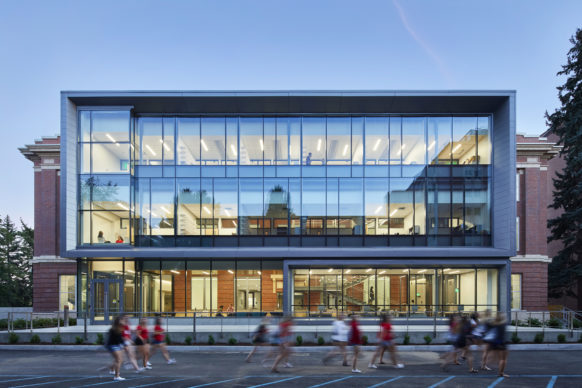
x,y
340,339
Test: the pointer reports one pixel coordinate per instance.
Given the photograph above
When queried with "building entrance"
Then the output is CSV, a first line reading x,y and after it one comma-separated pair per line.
x,y
106,300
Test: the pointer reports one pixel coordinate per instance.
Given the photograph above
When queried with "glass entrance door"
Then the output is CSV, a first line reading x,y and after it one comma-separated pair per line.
x,y
106,300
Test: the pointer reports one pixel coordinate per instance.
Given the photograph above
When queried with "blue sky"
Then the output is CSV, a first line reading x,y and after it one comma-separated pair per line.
x,y
49,46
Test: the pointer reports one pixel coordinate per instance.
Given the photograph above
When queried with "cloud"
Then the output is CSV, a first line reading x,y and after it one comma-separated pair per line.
x,y
429,51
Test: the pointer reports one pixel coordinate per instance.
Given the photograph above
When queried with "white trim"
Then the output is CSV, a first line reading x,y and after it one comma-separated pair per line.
x,y
50,167
528,165
531,257
51,259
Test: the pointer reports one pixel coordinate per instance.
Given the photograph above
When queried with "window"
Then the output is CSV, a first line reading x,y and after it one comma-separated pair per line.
x,y
67,292
517,186
516,291
517,233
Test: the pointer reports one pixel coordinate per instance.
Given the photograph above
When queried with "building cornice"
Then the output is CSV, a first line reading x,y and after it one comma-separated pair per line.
x,y
531,258
50,259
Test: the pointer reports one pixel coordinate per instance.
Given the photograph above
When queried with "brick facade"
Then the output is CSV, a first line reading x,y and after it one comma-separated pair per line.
x,y
47,266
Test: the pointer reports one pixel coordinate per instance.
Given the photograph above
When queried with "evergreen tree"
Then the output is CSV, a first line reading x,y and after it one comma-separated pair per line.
x,y
15,256
566,122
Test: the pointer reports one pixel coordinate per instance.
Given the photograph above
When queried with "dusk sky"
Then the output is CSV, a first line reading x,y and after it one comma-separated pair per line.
x,y
49,46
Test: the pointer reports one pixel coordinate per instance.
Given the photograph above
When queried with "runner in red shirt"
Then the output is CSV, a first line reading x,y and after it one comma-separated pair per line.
x,y
283,339
127,343
142,342
385,342
355,340
159,342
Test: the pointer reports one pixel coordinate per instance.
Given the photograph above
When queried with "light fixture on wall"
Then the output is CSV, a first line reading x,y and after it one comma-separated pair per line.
x,y
150,150
377,144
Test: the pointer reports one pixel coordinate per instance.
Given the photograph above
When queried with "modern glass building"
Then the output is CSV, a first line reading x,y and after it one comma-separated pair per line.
x,y
300,202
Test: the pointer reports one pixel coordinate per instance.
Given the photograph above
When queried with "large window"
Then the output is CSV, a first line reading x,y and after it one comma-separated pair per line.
x,y
516,291
67,292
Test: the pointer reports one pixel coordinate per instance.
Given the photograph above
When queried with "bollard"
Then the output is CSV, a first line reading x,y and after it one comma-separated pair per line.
x,y
66,316
59,322
85,325
194,327
31,322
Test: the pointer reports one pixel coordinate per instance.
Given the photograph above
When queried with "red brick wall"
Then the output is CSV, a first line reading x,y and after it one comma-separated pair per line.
x,y
45,293
46,213
534,284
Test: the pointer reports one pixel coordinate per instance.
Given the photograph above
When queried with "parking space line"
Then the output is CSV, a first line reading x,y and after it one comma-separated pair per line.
x,y
497,381
25,378
275,382
160,382
110,381
552,382
441,382
386,382
331,382
217,382
54,382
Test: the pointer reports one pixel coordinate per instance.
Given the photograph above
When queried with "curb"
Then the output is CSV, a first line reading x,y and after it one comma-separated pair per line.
x,y
297,349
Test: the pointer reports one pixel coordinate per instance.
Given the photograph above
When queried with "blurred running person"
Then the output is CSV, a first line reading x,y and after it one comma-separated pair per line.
x,y
355,340
114,345
453,338
260,337
142,342
284,340
485,326
159,342
386,341
498,345
128,344
466,331
339,338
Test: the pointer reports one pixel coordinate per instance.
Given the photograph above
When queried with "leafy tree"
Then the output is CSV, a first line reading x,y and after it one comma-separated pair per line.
x,y
15,255
566,122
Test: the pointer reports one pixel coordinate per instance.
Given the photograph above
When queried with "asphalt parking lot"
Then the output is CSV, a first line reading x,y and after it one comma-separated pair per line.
x,y
86,369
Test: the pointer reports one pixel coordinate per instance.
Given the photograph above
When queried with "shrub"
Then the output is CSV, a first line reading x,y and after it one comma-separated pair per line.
x,y
56,339
100,340
299,340
364,340
580,339
576,323
406,339
72,321
554,323
539,338
168,340
320,340
188,340
35,339
561,338
427,339
232,341
3,324
19,324
515,339
534,322
79,340
211,340
13,338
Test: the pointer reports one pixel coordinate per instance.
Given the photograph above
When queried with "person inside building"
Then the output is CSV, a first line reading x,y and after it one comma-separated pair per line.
x,y
119,240
100,238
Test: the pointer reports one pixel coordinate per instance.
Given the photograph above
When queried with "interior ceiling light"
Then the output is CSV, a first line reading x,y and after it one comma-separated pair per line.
x,y
369,269
262,145
150,149
164,209
205,273
431,145
206,210
174,271
259,272
310,272
456,148
404,270
345,149
348,271
319,144
122,206
227,212
393,212
230,271
233,149
382,272
329,270
378,210
112,139
203,145
446,269
422,271
377,144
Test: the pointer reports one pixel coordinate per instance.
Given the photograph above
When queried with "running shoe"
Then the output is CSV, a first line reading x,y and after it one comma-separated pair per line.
x,y
139,370
399,366
148,367
119,378
288,365
171,361
148,363
111,372
356,371
372,366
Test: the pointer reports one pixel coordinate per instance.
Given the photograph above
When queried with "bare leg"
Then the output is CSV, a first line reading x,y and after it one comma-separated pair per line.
x,y
392,350
248,359
117,362
280,357
131,357
355,361
502,362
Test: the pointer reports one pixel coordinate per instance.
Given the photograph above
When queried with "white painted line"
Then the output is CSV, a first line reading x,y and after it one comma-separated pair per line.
x,y
54,382
386,382
552,382
497,381
441,382
275,382
110,381
26,378
160,382
216,382
331,382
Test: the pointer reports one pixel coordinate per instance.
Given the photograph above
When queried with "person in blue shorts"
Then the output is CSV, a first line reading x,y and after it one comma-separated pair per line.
x,y
115,346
